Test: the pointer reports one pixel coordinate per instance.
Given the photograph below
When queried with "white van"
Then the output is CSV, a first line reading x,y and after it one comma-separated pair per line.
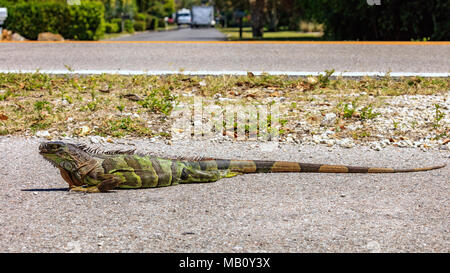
x,y
202,16
183,17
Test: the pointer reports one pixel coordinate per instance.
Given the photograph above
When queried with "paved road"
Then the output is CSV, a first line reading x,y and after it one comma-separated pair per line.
x,y
404,212
181,34
218,56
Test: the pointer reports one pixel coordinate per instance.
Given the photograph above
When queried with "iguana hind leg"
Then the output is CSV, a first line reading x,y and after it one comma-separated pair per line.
x,y
228,173
193,175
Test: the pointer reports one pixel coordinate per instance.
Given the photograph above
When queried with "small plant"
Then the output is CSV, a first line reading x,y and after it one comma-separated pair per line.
x,y
348,110
40,105
324,80
439,136
92,105
37,126
367,113
159,101
415,81
360,134
5,95
120,107
124,126
68,98
70,69
438,115
396,124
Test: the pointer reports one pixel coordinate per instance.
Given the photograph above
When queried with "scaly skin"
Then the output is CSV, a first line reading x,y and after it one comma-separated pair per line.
x,y
88,172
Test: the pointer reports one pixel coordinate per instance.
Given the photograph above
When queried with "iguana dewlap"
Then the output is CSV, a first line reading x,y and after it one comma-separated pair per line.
x,y
89,172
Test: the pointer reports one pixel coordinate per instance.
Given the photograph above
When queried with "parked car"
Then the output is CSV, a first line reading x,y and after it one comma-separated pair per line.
x,y
183,17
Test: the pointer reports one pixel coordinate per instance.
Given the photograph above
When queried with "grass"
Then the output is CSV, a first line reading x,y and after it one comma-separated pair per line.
x,y
158,100
438,115
233,34
108,36
140,106
353,110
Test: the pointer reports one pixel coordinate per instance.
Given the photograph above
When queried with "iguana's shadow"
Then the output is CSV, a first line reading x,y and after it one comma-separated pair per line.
x,y
63,189
52,189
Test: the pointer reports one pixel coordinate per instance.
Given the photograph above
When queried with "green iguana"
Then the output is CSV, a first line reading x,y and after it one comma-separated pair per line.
x,y
87,171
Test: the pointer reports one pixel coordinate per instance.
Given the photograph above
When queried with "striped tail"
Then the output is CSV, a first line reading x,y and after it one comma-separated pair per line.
x,y
260,166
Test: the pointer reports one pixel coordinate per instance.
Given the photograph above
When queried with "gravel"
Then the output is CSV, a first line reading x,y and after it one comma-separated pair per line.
x,y
406,212
421,121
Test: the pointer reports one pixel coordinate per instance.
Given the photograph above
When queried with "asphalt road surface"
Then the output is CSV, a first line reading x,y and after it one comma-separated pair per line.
x,y
223,56
181,34
303,212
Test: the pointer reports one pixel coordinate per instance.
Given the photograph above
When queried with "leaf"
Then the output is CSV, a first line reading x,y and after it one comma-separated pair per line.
x,y
133,97
106,90
3,117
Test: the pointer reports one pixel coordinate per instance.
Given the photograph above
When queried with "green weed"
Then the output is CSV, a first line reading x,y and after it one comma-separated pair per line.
x,y
159,100
348,110
367,113
120,107
5,95
125,126
40,105
324,80
438,115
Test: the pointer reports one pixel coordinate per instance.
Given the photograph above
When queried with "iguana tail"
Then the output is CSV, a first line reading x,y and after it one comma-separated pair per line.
x,y
260,166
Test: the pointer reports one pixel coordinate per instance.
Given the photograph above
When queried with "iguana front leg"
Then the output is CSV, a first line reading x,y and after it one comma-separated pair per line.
x,y
90,189
108,182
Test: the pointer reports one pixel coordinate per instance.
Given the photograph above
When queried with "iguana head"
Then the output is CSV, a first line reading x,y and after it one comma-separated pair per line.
x,y
66,156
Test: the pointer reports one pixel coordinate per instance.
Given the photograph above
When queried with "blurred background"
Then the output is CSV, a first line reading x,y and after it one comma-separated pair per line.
x,y
395,20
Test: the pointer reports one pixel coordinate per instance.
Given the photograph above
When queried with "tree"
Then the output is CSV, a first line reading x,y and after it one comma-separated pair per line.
x,y
158,8
293,9
258,17
117,8
143,5
272,15
169,6
187,3
392,20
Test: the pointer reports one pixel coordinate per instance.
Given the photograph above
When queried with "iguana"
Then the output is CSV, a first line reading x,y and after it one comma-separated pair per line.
x,y
87,171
